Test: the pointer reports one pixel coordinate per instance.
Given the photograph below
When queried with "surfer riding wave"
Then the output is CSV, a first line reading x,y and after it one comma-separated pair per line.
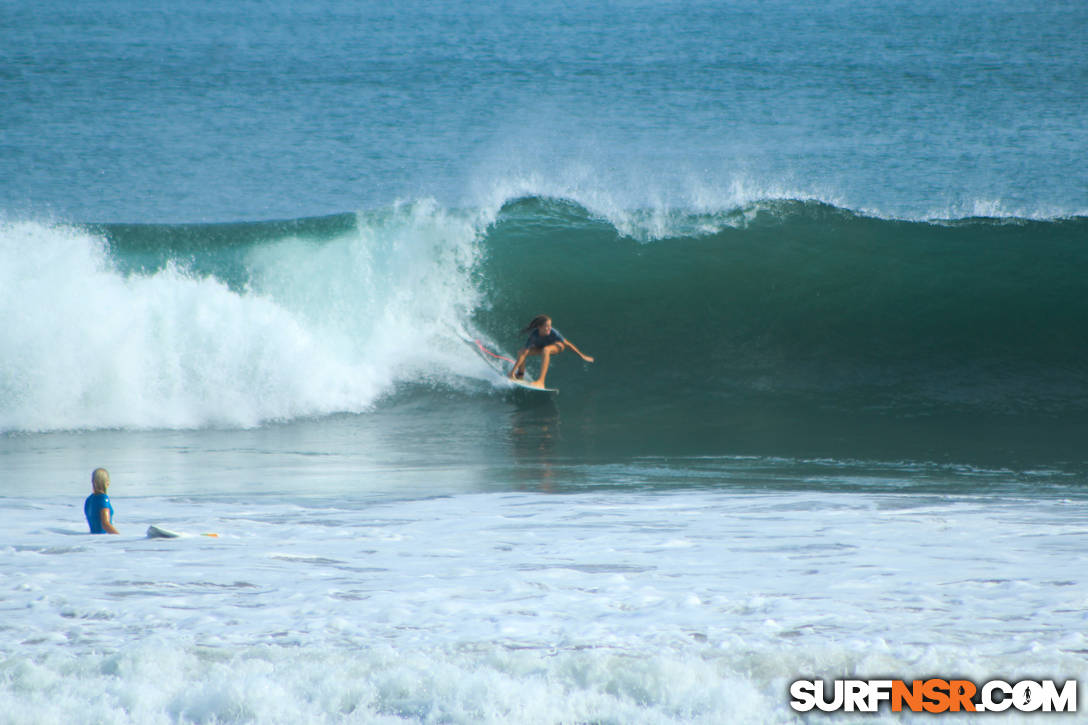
x,y
545,341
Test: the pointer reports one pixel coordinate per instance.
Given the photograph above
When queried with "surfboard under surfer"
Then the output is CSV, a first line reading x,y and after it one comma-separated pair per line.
x,y
545,341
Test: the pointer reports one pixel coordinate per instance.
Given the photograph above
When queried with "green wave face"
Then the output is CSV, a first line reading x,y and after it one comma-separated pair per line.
x,y
803,327
811,302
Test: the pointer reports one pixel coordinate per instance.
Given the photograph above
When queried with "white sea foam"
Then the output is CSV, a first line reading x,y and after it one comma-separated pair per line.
x,y
523,607
996,208
320,328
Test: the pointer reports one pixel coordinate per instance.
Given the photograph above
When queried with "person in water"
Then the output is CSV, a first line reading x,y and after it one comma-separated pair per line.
x,y
545,341
97,508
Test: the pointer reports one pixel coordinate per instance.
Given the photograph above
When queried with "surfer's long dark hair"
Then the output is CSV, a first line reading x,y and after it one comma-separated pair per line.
x,y
537,322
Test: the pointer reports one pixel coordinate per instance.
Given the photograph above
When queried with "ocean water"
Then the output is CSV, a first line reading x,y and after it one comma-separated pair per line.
x,y
829,260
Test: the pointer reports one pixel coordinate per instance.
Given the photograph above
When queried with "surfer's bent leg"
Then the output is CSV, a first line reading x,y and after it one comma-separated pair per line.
x,y
545,357
518,370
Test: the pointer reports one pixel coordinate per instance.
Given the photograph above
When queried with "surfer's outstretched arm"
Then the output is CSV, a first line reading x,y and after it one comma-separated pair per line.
x,y
520,364
582,355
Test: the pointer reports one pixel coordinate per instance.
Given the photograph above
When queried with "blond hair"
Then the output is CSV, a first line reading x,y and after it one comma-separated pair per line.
x,y
100,479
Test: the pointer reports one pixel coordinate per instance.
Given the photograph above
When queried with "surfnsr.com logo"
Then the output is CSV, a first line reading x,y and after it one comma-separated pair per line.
x,y
934,696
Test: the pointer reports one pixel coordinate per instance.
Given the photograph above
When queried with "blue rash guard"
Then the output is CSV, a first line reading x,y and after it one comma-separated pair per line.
x,y
535,341
92,509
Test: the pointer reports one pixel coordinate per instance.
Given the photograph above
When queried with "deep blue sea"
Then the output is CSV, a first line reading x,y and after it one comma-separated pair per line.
x,y
829,259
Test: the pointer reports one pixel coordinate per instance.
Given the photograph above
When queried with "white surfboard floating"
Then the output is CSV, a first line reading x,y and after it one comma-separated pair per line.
x,y
161,532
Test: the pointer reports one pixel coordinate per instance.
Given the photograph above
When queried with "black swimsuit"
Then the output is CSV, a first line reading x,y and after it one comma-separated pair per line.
x,y
537,342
